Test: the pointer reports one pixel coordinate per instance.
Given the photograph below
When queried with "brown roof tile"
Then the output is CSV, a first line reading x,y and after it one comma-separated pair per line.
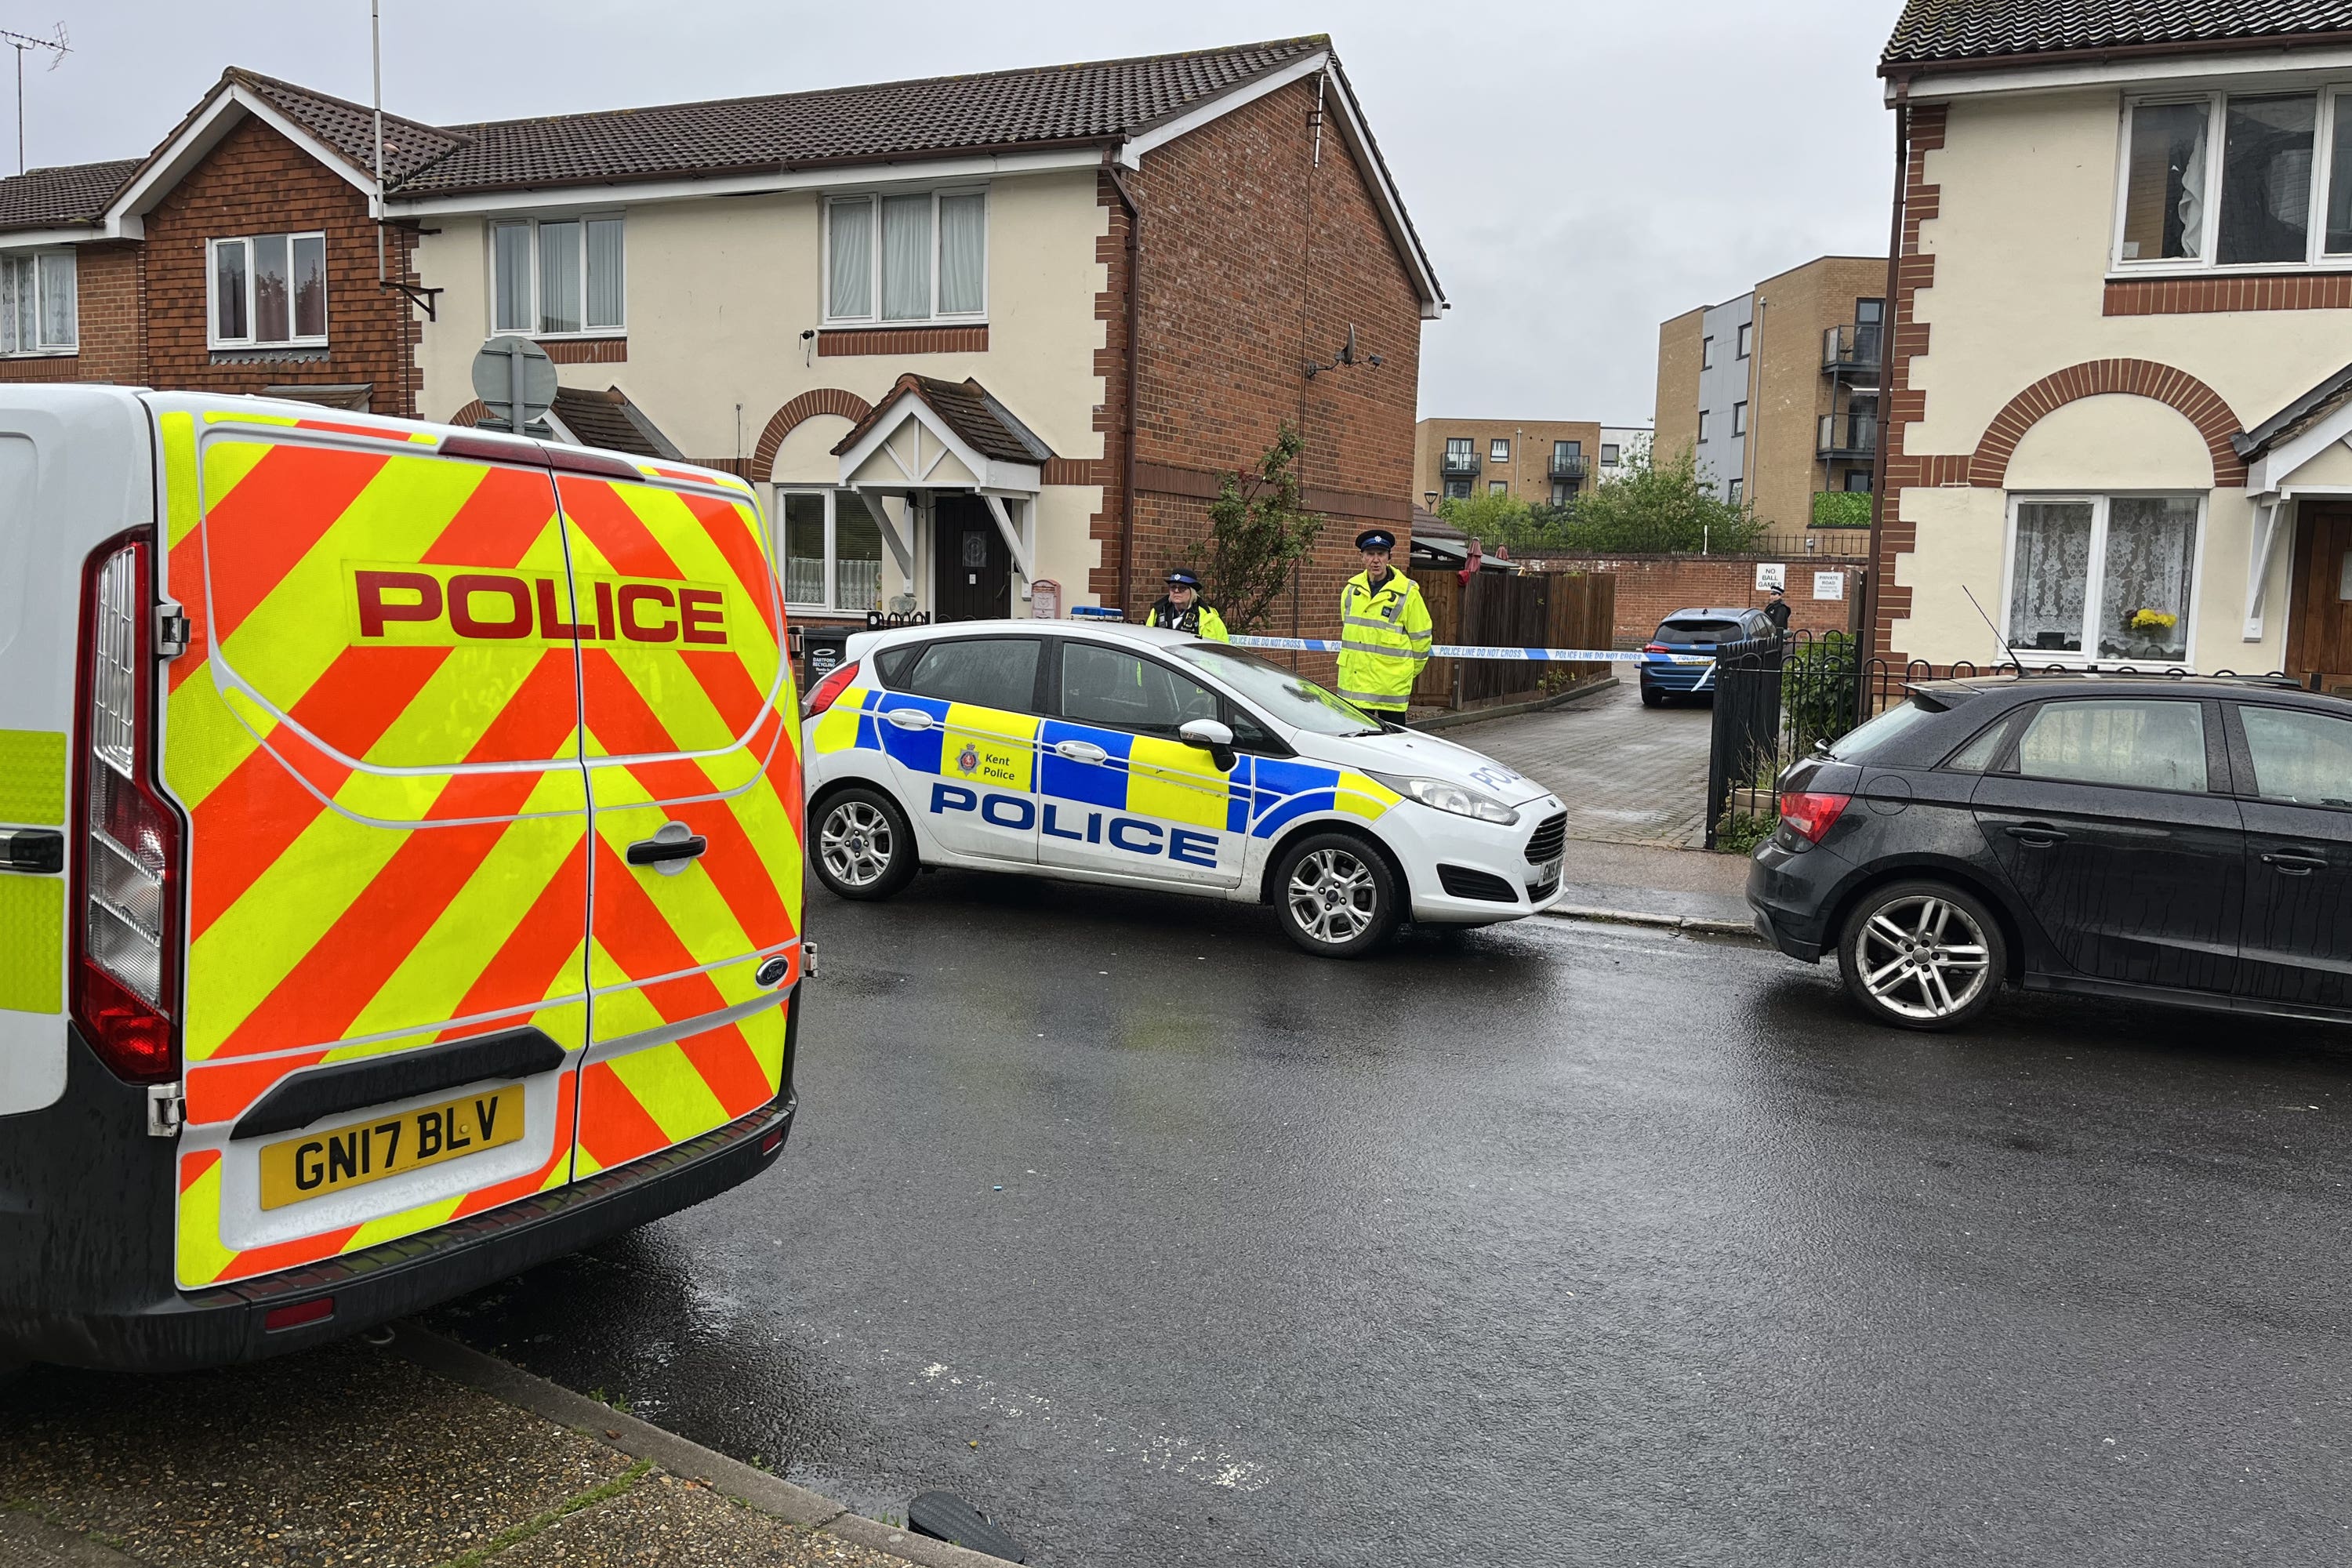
x,y
985,424
1101,100
54,198
609,420
409,145
1938,30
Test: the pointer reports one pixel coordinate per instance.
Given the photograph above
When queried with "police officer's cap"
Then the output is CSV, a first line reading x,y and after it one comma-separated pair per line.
x,y
1376,539
1181,579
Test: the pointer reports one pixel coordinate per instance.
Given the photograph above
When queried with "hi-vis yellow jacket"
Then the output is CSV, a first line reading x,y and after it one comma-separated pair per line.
x,y
1384,638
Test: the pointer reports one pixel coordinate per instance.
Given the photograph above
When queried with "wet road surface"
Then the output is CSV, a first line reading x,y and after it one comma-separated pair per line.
x,y
1548,1244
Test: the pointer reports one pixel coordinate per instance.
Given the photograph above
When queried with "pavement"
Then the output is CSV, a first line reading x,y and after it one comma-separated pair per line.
x,y
407,1450
1554,1243
1630,774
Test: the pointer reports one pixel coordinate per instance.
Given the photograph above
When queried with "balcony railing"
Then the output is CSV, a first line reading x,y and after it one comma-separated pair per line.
x,y
1852,349
1459,465
1848,436
1567,465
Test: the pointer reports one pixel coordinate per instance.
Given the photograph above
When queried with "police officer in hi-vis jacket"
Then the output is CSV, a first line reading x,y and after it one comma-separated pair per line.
x,y
1384,630
1182,609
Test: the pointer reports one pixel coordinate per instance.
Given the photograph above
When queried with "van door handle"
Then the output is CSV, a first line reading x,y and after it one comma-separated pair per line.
x,y
2036,836
1080,751
662,851
910,718
2296,862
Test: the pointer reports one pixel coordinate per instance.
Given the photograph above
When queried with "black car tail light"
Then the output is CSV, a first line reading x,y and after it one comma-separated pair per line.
x,y
1810,814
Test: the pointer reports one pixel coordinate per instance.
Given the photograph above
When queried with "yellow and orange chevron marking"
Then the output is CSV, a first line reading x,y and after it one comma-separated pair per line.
x,y
391,838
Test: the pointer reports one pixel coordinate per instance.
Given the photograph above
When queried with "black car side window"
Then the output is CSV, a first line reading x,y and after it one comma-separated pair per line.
x,y
2140,744
1978,754
2299,757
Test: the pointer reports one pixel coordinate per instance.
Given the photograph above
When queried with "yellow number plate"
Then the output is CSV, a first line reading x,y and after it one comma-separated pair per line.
x,y
322,1162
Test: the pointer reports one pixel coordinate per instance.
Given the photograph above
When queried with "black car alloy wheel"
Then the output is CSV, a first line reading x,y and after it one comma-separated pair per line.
x,y
1922,955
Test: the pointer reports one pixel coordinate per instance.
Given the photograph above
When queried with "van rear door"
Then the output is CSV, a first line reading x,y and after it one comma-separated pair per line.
x,y
695,790
375,735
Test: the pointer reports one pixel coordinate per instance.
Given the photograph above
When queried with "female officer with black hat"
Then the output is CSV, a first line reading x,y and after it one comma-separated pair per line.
x,y
1182,609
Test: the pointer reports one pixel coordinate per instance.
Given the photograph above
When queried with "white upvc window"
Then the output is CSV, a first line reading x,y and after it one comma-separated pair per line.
x,y
2103,579
2235,181
267,290
904,258
40,313
831,549
559,278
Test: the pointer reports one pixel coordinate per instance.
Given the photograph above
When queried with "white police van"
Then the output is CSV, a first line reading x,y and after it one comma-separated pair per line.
x,y
1105,752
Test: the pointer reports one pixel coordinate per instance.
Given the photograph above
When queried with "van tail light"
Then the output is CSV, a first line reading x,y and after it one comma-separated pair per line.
x,y
831,687
1809,815
128,880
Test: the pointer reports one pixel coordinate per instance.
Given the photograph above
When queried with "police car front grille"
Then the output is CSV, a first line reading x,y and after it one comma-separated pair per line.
x,y
1549,839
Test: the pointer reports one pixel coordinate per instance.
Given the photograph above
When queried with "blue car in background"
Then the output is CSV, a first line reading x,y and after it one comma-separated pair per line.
x,y
1686,645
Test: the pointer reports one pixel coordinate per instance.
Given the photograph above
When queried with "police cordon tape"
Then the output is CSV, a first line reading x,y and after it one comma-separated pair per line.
x,y
1533,655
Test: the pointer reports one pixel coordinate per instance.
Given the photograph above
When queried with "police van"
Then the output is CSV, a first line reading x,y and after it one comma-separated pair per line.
x,y
1105,752
400,864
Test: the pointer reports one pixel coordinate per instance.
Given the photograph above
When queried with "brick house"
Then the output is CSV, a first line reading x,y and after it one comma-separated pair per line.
x,y
2118,408
908,307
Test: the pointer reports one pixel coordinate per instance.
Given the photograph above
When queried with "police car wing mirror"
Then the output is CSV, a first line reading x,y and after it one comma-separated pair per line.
x,y
909,718
1211,737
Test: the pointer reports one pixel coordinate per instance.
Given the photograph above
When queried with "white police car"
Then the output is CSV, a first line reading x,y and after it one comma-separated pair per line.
x,y
1105,752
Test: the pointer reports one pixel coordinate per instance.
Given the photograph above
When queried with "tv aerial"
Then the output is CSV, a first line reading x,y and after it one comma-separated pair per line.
x,y
22,42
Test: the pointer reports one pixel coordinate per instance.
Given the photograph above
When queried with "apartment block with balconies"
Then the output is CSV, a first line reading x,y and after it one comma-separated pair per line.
x,y
1776,391
1539,461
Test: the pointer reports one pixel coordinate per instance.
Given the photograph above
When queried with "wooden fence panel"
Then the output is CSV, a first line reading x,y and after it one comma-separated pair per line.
x,y
1532,609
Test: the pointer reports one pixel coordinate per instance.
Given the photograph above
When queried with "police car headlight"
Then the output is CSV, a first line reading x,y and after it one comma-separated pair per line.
x,y
1440,795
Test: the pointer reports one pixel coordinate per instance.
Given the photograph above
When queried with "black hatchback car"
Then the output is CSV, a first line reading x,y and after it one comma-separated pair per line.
x,y
2188,840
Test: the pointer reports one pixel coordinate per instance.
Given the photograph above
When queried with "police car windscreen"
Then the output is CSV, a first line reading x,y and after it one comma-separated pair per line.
x,y
1284,694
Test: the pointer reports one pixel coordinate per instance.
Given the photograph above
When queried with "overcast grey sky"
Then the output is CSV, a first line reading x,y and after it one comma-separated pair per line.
x,y
1578,171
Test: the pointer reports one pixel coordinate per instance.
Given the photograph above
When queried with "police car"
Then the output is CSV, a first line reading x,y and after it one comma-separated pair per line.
x,y
1141,757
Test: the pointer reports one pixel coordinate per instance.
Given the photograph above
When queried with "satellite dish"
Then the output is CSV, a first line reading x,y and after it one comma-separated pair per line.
x,y
516,380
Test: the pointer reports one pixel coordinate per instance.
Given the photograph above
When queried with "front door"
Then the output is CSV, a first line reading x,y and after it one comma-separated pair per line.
x,y
2319,622
2104,823
973,569
2298,806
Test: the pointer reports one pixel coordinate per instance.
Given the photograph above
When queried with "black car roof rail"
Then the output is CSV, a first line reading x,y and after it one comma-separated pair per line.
x,y
2274,680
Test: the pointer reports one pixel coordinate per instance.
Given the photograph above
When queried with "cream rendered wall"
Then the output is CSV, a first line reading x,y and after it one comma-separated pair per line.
x,y
718,293
2021,242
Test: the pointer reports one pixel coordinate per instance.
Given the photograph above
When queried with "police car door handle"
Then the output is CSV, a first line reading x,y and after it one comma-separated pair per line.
x,y
909,718
1079,750
660,852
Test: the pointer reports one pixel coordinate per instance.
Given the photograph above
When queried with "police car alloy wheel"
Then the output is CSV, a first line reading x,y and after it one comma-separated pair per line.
x,y
864,847
1338,897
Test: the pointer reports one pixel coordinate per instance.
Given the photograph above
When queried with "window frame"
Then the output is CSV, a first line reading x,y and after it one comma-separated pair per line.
x,y
251,341
41,349
874,197
2094,594
534,222
1739,418
832,494
1469,447
1612,454
2330,103
1744,341
1706,352
1498,449
1702,425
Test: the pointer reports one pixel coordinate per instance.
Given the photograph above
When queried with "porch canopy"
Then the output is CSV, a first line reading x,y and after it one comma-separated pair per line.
x,y
2303,450
926,437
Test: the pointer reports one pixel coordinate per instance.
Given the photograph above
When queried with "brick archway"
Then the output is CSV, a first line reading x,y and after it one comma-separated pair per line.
x,y
2176,389
471,415
807,406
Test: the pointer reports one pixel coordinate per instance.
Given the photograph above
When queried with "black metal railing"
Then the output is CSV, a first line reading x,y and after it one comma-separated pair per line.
x,y
1852,349
1567,465
1459,465
1849,436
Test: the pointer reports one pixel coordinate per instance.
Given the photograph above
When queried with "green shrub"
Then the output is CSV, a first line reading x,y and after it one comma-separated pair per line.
x,y
1841,509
